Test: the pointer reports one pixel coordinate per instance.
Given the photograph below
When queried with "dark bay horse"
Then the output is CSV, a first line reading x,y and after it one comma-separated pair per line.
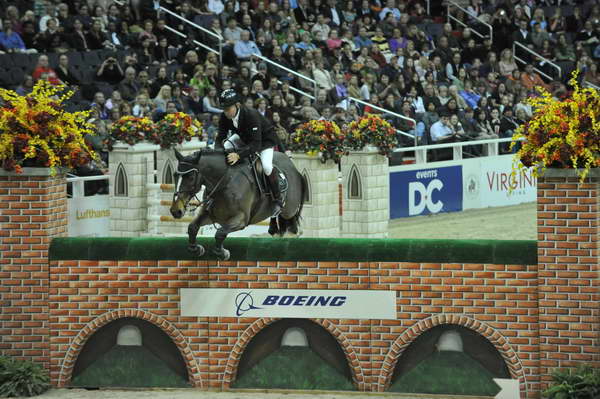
x,y
231,196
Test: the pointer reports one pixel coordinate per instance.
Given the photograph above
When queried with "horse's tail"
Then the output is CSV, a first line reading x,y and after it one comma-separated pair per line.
x,y
303,194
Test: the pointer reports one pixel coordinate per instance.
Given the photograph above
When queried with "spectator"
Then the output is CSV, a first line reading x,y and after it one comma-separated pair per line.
x,y
194,102
142,107
531,79
128,86
210,101
508,126
11,41
441,131
26,86
78,40
43,68
362,40
244,48
99,105
507,63
66,73
161,99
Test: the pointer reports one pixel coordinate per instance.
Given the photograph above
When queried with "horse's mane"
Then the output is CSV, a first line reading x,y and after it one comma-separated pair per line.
x,y
212,151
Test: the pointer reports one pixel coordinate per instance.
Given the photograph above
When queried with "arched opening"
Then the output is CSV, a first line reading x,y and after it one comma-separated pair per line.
x,y
168,175
121,186
308,194
354,184
449,359
130,352
294,354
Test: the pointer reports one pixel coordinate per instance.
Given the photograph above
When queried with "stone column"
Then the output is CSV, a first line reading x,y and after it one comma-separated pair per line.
x,y
33,210
568,270
365,194
131,169
321,215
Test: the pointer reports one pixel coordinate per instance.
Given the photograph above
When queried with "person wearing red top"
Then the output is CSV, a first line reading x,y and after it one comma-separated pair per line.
x,y
43,68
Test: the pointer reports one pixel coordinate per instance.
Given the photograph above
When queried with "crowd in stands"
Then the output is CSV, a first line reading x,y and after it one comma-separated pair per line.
x,y
456,82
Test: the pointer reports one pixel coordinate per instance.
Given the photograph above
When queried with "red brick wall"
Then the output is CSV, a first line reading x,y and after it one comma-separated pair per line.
x,y
569,272
498,301
32,212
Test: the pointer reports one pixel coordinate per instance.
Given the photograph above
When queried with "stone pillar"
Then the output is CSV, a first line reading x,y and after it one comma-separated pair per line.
x,y
365,194
131,169
320,216
568,270
33,210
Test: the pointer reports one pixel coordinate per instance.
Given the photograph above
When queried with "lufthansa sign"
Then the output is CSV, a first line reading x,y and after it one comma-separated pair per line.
x,y
347,304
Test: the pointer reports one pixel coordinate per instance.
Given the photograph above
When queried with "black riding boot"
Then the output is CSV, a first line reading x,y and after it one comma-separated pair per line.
x,y
274,185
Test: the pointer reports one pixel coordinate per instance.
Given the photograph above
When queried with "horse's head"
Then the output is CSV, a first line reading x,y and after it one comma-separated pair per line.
x,y
187,184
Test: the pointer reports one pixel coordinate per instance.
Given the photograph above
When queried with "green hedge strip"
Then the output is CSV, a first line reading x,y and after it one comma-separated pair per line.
x,y
301,249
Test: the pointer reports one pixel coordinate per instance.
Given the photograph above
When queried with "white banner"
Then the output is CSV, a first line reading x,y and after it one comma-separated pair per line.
x,y
495,182
337,304
89,216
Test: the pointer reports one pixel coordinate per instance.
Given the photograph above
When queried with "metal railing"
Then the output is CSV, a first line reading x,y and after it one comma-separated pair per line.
x,y
450,4
301,76
591,85
195,25
539,56
491,146
387,111
78,189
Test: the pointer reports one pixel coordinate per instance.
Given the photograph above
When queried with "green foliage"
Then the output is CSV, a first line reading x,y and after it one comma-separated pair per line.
x,y
129,366
453,373
580,383
21,378
294,368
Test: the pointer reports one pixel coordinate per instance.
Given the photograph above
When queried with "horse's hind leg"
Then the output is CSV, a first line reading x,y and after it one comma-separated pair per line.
x,y
236,223
201,220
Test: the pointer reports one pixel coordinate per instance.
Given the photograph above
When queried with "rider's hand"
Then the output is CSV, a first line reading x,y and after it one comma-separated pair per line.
x,y
232,158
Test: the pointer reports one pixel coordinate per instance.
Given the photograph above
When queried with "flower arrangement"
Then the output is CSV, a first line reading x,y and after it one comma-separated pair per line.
x,y
174,129
319,137
371,129
562,133
36,131
131,130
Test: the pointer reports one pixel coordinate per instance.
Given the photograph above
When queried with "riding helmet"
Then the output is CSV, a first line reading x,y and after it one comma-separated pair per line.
x,y
228,98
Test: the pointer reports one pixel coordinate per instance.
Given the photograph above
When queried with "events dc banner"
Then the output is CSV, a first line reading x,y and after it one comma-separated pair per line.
x,y
426,191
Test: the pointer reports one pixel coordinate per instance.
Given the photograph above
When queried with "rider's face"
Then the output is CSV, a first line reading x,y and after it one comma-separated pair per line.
x,y
230,111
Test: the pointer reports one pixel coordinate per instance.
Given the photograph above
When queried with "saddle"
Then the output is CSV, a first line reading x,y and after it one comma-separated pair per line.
x,y
261,179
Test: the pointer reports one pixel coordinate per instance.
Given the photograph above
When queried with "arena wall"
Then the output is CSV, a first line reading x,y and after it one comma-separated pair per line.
x,y
537,303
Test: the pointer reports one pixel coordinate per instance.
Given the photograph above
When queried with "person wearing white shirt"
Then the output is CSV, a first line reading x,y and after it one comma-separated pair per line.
x,y
441,130
320,30
216,6
390,6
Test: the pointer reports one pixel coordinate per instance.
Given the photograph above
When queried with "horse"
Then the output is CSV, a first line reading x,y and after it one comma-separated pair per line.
x,y
232,197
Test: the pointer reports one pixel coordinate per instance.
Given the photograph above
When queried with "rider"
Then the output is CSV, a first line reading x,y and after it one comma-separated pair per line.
x,y
244,131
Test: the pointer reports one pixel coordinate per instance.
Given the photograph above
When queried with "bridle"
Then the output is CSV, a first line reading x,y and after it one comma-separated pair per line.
x,y
193,194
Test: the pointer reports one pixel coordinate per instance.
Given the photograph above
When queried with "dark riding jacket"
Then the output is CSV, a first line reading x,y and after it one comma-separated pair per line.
x,y
254,130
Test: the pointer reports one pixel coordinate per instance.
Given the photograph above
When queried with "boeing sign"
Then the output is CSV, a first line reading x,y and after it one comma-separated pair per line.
x,y
351,304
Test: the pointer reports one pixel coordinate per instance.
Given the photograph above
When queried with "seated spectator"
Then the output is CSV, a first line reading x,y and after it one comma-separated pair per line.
x,y
441,131
333,41
362,40
66,73
115,101
128,87
531,79
469,95
212,129
96,38
78,39
194,102
245,48
115,38
507,63
161,99
99,105
159,114
26,86
142,107
508,126
110,71
210,101
43,68
11,41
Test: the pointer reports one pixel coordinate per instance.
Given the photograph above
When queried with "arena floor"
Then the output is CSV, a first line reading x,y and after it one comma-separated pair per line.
x,y
198,394
516,222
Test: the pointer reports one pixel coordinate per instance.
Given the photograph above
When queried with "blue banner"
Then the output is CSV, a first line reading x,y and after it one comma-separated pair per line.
x,y
426,191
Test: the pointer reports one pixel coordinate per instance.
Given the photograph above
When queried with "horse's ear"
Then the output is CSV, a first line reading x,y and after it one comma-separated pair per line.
x,y
178,155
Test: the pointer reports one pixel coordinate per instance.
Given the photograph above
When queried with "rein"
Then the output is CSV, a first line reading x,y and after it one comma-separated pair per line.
x,y
208,198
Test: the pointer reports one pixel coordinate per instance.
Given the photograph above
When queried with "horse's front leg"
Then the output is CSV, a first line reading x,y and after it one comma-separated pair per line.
x,y
236,223
202,219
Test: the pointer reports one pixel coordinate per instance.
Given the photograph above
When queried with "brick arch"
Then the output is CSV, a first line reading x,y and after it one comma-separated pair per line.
x,y
86,332
250,332
512,361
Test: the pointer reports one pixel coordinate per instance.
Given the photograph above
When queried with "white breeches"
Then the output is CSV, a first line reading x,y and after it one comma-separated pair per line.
x,y
266,155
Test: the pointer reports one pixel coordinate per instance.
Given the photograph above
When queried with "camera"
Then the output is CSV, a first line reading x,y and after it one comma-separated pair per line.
x,y
502,13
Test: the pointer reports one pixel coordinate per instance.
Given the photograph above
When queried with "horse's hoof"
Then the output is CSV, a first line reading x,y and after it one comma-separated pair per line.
x,y
223,254
197,250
